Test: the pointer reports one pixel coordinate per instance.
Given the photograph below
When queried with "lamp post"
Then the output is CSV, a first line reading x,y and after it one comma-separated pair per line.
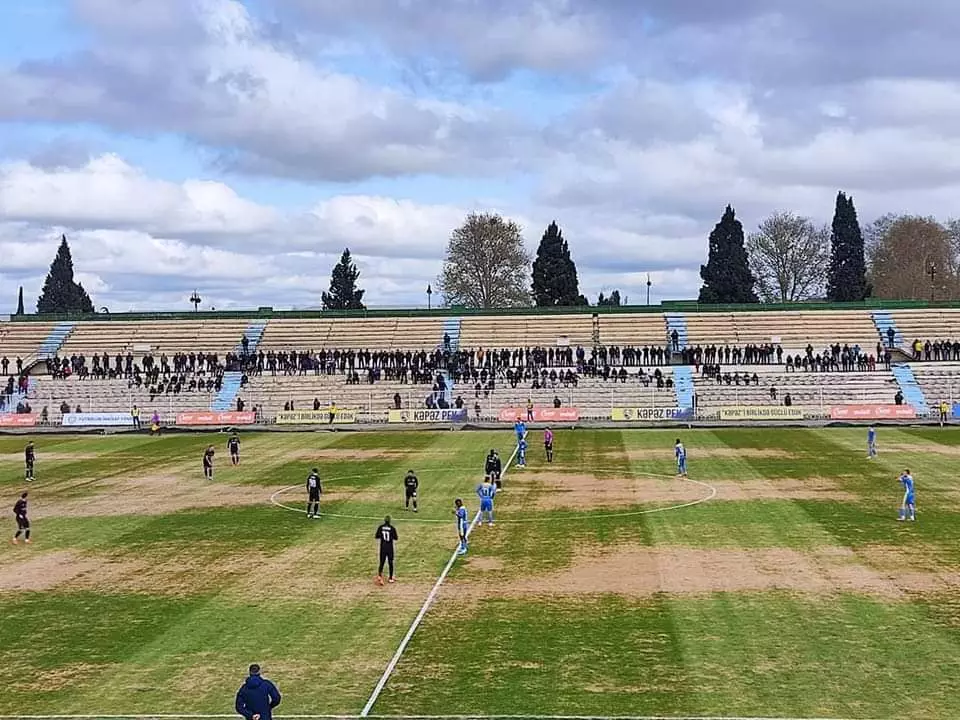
x,y
429,296
196,300
648,288
932,272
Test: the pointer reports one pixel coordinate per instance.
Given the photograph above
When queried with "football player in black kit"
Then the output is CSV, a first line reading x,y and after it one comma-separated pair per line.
x,y
410,486
208,462
314,490
23,524
29,457
387,535
233,445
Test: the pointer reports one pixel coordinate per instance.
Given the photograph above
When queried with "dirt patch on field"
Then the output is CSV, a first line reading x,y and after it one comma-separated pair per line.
x,y
585,492
153,495
726,452
926,448
65,457
59,678
43,572
350,454
644,572
484,564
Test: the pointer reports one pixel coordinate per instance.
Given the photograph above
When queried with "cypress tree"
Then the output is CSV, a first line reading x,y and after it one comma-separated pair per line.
x,y
60,293
612,301
20,302
344,294
847,276
726,276
555,281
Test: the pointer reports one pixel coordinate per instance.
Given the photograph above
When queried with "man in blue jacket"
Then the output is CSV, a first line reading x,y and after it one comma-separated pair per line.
x,y
257,697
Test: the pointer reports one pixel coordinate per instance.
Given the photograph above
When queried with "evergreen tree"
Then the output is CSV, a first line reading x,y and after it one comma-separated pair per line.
x,y
60,293
344,294
20,302
847,276
555,280
726,276
613,300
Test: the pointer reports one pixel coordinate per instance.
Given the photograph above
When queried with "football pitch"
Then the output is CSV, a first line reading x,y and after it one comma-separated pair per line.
x,y
779,584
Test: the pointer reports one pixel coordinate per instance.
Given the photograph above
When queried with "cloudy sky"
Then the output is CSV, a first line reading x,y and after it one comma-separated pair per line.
x,y
238,147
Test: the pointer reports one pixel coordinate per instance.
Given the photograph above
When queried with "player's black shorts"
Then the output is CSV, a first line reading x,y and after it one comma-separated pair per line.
x,y
22,523
410,492
548,445
29,464
313,496
235,453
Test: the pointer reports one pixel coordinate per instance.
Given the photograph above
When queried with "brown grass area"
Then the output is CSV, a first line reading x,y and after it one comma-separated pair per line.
x,y
350,454
591,492
59,678
152,495
716,452
35,571
642,572
926,448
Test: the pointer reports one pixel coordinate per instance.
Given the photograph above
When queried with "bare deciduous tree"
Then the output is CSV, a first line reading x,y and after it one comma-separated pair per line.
x,y
906,249
486,265
789,256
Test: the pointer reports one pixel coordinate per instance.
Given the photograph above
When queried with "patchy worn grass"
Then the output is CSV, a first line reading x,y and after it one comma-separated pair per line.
x,y
793,593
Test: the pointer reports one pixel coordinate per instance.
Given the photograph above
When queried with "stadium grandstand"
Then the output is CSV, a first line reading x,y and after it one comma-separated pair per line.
x,y
676,361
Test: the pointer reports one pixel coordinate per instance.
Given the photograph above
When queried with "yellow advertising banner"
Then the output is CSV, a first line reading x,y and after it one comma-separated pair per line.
x,y
427,416
761,412
316,417
620,414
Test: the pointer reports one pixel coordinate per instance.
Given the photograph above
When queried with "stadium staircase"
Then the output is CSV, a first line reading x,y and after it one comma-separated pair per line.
x,y
676,321
912,392
254,334
883,320
229,390
55,340
451,327
683,386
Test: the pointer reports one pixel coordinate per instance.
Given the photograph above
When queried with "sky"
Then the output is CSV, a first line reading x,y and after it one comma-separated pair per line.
x,y
236,148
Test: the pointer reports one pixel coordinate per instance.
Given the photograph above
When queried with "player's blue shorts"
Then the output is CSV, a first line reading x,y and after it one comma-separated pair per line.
x,y
908,499
486,505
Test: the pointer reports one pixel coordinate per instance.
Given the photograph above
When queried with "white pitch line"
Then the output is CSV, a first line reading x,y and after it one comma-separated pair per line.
x,y
526,521
419,717
423,610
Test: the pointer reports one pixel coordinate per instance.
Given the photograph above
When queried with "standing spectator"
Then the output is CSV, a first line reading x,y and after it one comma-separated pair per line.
x,y
891,335
257,697
135,414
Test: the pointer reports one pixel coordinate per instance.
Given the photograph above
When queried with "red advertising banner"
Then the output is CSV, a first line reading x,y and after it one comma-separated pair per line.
x,y
872,412
14,420
540,414
204,417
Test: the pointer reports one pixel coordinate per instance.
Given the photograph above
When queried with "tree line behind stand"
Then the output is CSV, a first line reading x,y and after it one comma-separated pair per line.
x,y
788,259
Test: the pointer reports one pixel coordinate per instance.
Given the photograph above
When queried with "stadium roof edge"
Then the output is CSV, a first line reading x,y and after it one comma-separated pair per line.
x,y
688,306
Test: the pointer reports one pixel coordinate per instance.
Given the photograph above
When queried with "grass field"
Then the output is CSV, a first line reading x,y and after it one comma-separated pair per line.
x,y
793,592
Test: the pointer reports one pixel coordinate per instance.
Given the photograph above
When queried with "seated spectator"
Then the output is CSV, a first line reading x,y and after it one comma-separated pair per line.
x,y
396,401
787,400
556,401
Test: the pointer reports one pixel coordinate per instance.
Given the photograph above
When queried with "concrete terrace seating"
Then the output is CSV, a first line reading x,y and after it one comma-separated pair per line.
x,y
792,329
160,336
812,391
492,331
641,329
401,333
594,396
939,381
942,324
111,396
22,339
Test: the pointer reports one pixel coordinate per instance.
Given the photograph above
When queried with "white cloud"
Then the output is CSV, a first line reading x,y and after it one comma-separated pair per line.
x,y
108,192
